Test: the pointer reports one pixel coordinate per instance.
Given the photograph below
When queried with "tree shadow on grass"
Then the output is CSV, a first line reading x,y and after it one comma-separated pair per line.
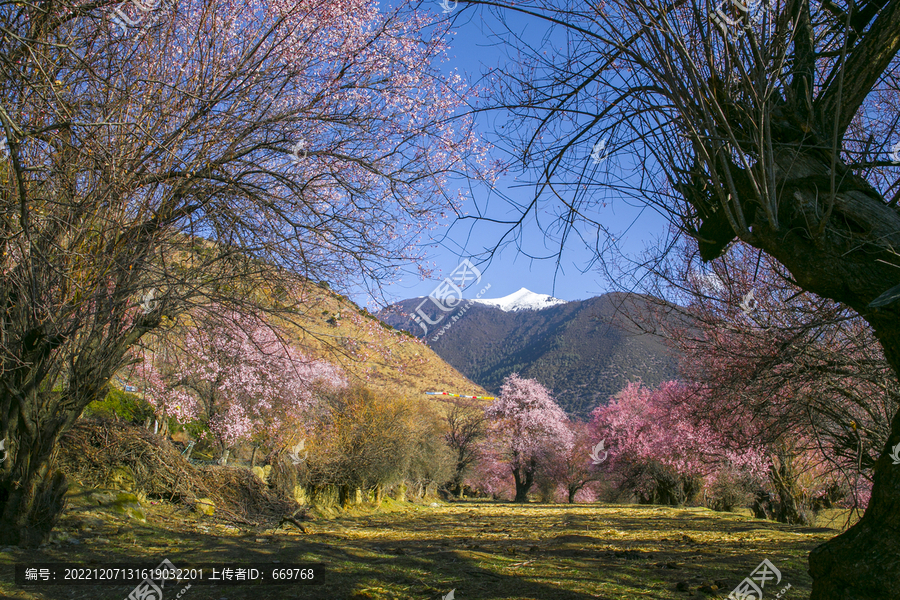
x,y
416,571
482,551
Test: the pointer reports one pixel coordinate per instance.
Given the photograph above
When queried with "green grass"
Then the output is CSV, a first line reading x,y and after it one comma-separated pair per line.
x,y
482,550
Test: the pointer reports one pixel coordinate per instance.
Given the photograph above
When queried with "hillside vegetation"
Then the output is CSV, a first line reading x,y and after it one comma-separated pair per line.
x,y
327,325
336,329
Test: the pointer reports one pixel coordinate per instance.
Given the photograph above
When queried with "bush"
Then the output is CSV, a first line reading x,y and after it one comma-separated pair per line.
x,y
120,405
730,488
430,462
362,439
94,450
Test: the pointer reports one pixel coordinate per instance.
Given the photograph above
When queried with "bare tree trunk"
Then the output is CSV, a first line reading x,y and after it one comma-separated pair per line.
x,y
456,485
862,563
379,494
344,495
789,507
31,489
32,510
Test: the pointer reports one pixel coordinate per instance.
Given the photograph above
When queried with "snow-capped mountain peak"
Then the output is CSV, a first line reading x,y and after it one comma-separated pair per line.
x,y
523,299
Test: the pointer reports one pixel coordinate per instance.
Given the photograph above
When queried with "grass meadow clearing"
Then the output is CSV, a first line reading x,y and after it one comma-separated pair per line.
x,y
476,549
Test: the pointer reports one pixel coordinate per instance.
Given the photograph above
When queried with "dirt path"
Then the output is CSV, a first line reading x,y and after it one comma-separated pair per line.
x,y
480,550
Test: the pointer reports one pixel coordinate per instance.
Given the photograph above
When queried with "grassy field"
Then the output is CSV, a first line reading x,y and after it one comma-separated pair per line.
x,y
480,550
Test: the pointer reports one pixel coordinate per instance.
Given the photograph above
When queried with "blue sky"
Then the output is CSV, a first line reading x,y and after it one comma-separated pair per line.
x,y
634,226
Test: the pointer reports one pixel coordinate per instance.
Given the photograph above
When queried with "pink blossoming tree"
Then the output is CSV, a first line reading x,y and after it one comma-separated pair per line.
x,y
237,378
525,427
208,151
660,451
572,471
806,370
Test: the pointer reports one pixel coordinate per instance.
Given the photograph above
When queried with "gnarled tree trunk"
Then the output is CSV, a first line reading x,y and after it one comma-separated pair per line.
x,y
790,507
863,563
31,489
844,246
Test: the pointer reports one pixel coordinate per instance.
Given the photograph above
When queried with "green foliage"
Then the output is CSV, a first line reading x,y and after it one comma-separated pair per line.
x,y
122,405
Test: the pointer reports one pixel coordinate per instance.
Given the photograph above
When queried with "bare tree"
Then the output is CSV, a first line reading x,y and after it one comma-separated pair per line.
x,y
465,429
189,156
771,125
362,439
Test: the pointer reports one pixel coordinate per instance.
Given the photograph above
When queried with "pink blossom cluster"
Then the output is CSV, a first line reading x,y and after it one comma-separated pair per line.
x,y
526,421
642,424
236,376
790,372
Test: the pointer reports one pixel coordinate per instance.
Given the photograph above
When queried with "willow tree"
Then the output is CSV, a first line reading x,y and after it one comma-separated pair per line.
x,y
775,124
165,157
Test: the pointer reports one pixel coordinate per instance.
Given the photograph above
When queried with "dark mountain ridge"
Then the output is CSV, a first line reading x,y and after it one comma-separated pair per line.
x,y
583,351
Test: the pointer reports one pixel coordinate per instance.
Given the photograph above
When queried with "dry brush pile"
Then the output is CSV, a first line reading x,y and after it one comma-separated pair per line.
x,y
93,451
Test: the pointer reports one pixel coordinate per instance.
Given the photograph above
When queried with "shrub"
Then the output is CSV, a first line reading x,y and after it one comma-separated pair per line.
x,y
730,488
120,405
363,439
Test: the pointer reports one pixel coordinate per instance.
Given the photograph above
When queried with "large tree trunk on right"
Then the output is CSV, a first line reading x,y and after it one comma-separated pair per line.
x,y
844,246
863,563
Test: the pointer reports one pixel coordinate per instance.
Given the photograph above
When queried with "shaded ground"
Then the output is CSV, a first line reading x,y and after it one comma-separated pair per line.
x,y
481,550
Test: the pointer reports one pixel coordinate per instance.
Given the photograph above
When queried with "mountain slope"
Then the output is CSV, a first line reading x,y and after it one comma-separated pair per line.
x,y
583,351
327,325
335,328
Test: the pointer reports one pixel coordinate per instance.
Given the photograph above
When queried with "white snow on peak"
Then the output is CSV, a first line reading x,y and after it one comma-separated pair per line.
x,y
523,300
